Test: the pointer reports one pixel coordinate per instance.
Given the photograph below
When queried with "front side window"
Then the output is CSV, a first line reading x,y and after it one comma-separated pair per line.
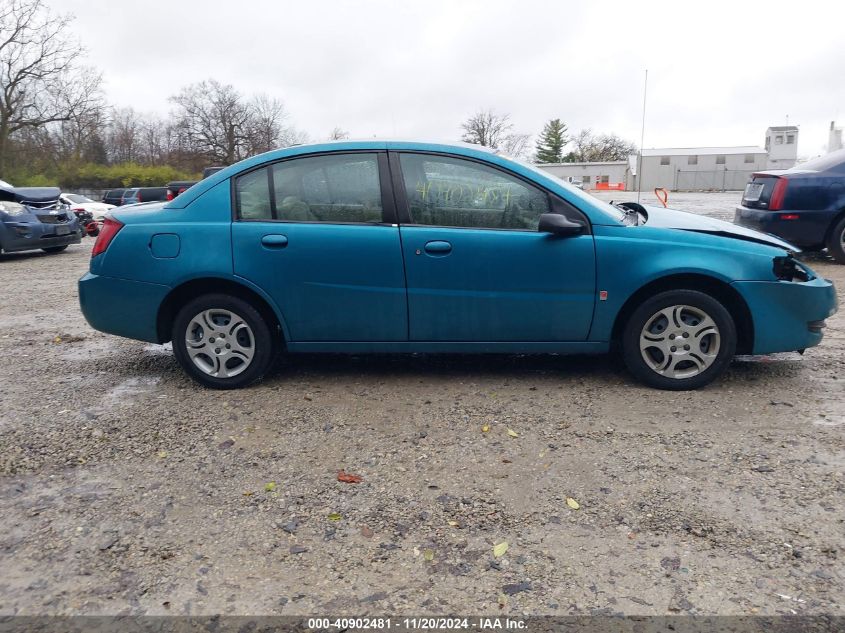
x,y
339,188
448,191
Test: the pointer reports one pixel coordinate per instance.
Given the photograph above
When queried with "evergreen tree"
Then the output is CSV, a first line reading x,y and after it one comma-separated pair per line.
x,y
551,142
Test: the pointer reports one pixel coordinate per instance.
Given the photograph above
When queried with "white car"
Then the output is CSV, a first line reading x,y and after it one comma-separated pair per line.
x,y
76,201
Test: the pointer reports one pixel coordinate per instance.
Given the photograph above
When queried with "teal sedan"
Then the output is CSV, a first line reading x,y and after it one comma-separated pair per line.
x,y
378,246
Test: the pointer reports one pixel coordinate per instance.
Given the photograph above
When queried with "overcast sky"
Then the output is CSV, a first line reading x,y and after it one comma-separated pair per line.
x,y
719,73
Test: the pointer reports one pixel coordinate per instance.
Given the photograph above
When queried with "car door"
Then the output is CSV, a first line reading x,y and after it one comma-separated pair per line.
x,y
477,268
318,234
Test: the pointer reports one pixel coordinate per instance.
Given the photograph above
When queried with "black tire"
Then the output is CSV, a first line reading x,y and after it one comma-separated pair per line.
x,y
264,346
836,242
684,362
54,249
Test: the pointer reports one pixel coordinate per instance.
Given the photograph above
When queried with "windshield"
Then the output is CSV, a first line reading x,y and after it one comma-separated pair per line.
x,y
610,209
73,197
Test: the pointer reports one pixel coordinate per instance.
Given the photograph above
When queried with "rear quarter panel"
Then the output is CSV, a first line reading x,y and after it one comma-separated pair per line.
x,y
204,242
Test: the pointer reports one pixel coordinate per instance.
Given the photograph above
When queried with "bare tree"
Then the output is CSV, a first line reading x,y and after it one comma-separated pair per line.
x,y
516,145
39,76
589,147
212,117
338,134
124,135
215,121
265,125
78,133
487,128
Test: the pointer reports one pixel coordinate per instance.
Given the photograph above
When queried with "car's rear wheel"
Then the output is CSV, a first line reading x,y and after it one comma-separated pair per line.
x,y
836,242
222,341
679,339
54,249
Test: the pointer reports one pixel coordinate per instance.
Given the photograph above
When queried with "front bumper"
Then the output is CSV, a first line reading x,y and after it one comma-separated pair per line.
x,y
787,314
22,235
808,230
121,306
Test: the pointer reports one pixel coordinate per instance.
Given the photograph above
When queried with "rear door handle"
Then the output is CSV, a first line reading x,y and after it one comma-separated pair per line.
x,y
274,241
438,247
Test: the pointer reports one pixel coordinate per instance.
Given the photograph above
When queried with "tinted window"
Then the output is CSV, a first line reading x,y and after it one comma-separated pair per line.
x,y
446,191
337,188
252,196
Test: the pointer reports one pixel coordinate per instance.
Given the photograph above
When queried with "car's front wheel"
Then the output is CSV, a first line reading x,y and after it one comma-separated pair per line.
x,y
222,341
679,339
836,242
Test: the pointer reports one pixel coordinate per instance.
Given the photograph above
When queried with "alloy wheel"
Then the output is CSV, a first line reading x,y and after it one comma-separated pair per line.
x,y
220,343
680,341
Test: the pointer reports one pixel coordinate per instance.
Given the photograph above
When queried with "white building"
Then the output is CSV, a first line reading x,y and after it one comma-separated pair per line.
x,y
698,168
834,138
782,146
601,175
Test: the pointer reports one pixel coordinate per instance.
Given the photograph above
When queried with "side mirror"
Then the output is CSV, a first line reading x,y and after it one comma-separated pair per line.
x,y
558,224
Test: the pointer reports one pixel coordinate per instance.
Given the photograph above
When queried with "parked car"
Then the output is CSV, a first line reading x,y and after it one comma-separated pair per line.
x,y
377,246
175,187
32,218
79,203
114,197
144,194
804,204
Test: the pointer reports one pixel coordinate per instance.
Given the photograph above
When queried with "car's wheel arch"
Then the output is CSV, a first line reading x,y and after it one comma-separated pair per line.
x,y
840,215
718,289
193,288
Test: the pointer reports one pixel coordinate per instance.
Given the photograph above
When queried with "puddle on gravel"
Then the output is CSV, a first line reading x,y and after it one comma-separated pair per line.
x,y
779,357
130,389
156,350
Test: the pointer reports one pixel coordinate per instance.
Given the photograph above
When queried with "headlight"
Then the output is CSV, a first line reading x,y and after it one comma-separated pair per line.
x,y
12,208
787,269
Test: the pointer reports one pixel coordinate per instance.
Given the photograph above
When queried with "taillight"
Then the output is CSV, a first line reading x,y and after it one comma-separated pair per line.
x,y
778,194
170,195
107,233
789,216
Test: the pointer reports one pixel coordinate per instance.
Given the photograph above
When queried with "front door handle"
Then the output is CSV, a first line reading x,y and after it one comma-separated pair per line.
x,y
274,241
438,247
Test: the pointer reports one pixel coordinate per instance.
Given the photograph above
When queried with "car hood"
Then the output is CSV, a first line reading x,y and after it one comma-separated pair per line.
x,y
27,195
674,219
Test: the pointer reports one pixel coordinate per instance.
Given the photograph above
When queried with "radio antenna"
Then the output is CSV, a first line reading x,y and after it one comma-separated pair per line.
x,y
642,140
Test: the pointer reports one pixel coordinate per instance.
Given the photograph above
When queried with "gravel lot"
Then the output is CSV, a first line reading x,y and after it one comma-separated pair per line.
x,y
125,488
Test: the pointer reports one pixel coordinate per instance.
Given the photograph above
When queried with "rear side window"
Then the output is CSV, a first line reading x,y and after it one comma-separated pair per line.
x,y
252,195
340,188
448,191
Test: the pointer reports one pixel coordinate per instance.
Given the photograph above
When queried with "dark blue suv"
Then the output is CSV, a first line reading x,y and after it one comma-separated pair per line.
x,y
804,205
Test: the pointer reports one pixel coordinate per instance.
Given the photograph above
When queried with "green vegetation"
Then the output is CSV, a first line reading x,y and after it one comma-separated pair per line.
x,y
73,175
552,140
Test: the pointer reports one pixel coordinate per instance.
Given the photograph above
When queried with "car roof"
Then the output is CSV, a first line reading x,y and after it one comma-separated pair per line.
x,y
467,150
